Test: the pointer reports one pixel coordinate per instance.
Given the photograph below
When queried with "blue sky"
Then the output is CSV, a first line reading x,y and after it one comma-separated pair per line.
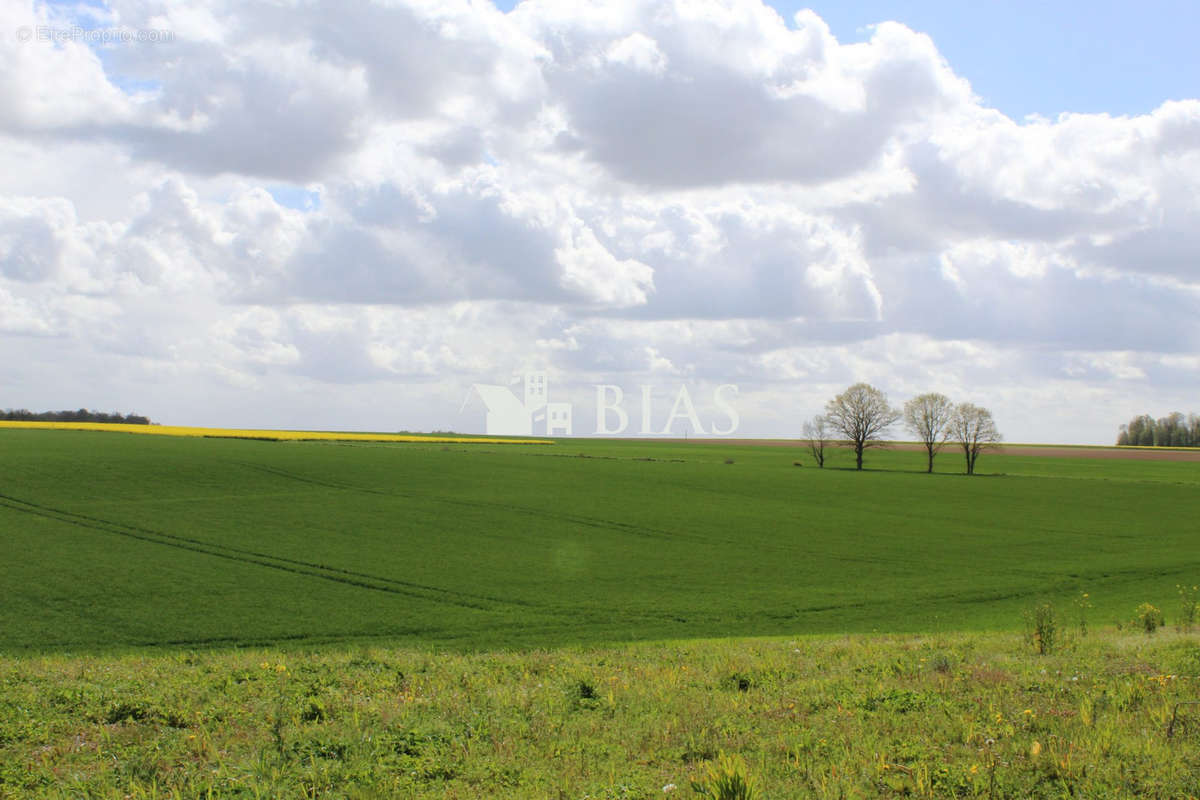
x,y
1035,57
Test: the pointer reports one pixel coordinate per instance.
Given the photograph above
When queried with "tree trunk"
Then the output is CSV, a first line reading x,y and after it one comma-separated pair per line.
x,y
858,455
930,470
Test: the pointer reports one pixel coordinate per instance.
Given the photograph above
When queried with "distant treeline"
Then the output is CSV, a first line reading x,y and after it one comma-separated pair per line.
x,y
82,415
1173,430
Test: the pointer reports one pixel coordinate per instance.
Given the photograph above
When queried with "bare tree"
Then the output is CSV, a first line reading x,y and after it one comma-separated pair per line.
x,y
975,430
929,417
861,414
819,433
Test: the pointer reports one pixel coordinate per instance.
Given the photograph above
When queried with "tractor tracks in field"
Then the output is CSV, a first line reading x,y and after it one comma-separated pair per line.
x,y
362,580
321,571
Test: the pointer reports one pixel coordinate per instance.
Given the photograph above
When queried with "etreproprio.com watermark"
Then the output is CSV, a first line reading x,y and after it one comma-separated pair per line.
x,y
61,35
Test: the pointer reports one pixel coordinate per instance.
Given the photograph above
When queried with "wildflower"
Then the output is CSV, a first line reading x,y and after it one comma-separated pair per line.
x,y
670,787
974,768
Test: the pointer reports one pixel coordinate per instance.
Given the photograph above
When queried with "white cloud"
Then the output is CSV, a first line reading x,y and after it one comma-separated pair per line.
x,y
631,188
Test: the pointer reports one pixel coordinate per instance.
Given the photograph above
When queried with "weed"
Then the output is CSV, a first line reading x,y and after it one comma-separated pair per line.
x,y
727,779
315,712
1148,617
738,681
584,694
124,711
1082,604
1189,600
1041,628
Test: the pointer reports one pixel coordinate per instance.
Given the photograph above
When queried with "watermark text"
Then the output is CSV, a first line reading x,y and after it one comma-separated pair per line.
x,y
53,34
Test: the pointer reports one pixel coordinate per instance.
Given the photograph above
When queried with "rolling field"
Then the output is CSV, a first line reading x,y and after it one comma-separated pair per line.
x,y
199,617
114,541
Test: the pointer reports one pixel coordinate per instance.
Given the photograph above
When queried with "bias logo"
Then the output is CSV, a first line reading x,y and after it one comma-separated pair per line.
x,y
529,412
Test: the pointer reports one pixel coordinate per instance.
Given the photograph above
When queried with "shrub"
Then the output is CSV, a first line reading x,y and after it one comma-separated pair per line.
x,y
1041,628
1148,617
728,779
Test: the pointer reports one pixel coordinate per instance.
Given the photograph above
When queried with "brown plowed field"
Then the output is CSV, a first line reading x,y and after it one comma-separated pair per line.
x,y
1063,451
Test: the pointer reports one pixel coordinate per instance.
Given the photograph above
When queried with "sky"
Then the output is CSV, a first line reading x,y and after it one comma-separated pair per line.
x,y
343,215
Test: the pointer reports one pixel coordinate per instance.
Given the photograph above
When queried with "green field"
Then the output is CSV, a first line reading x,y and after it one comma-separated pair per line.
x,y
189,618
114,541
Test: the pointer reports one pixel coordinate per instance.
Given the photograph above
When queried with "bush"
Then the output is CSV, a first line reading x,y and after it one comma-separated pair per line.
x,y
1148,617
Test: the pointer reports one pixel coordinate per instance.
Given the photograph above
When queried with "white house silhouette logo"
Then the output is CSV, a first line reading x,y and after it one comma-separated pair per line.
x,y
507,415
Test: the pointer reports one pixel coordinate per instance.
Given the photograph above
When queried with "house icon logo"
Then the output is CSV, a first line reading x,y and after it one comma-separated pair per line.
x,y
508,415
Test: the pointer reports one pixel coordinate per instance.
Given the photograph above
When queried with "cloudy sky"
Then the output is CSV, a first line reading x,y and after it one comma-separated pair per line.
x,y
341,215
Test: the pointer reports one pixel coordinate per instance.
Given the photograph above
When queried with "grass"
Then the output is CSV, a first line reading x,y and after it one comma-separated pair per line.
x,y
202,617
952,715
118,542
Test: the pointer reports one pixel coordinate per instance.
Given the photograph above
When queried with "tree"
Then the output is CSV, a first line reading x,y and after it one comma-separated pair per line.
x,y
1145,426
929,416
861,414
974,429
818,432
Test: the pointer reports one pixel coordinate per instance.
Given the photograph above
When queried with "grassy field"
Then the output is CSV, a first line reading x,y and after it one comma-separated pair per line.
x,y
114,541
197,617
951,715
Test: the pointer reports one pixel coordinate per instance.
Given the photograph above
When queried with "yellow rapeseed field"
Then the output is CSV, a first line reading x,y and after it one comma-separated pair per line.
x,y
236,433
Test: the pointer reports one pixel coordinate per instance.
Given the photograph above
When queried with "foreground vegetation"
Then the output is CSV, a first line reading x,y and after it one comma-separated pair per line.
x,y
954,715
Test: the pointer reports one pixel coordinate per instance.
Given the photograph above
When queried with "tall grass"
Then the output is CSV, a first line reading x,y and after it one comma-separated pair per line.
x,y
952,715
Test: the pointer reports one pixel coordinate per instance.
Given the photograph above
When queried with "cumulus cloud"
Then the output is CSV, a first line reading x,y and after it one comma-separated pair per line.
x,y
621,190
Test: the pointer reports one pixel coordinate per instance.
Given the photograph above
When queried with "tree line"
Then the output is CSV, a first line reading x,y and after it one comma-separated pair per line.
x,y
82,415
861,415
1173,430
